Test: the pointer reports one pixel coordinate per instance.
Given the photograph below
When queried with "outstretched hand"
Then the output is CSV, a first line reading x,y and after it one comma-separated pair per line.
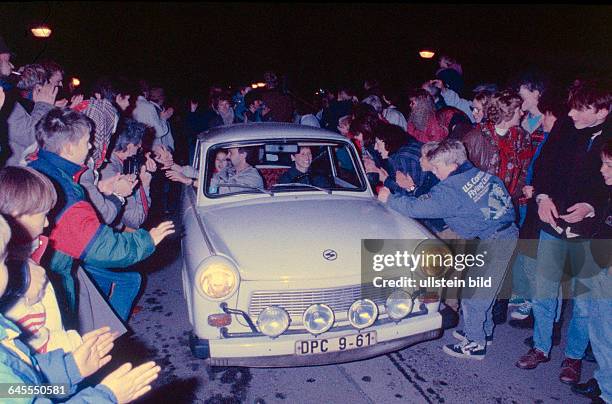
x,y
159,233
178,177
127,383
92,354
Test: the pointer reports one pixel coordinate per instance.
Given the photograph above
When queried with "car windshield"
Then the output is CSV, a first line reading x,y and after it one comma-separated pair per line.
x,y
277,167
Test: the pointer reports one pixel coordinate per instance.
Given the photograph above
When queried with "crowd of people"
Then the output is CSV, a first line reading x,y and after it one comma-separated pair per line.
x,y
525,168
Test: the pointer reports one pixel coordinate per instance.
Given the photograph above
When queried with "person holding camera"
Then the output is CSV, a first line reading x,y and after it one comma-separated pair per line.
x,y
128,159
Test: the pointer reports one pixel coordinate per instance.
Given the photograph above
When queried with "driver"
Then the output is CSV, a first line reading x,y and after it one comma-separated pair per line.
x,y
239,172
301,173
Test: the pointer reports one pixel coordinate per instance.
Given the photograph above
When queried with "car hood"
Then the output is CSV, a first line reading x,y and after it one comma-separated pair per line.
x,y
285,237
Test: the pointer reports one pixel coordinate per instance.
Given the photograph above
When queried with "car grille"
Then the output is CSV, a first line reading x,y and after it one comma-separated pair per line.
x,y
297,301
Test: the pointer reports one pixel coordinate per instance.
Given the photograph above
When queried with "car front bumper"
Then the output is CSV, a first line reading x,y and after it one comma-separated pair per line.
x,y
263,351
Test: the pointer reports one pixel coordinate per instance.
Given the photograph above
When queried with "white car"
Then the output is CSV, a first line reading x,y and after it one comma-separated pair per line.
x,y
272,274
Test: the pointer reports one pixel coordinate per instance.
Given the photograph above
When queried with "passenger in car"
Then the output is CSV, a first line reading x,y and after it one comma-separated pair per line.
x,y
241,171
301,172
188,175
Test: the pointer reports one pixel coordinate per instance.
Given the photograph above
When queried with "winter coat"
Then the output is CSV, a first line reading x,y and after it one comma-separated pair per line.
x,y
568,172
22,129
78,235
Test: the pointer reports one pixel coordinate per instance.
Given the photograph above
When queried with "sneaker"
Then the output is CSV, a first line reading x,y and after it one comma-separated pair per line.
x,y
460,335
516,300
523,311
532,359
570,371
466,349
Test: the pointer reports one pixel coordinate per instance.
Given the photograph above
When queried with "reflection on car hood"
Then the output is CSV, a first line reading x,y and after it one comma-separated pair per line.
x,y
285,237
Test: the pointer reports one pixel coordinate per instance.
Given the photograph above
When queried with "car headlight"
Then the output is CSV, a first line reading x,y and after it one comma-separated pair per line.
x,y
273,321
434,255
318,318
399,304
362,313
218,278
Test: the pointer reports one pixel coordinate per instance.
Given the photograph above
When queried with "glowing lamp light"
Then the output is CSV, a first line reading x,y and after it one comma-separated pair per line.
x,y
427,54
254,85
75,82
261,84
41,31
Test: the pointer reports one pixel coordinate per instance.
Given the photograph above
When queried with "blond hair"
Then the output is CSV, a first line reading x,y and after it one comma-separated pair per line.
x,y
25,191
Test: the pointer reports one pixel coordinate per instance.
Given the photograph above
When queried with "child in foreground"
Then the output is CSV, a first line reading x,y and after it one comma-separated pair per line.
x,y
18,365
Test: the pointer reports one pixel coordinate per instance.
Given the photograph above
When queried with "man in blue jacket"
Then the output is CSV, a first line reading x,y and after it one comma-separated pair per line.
x,y
475,205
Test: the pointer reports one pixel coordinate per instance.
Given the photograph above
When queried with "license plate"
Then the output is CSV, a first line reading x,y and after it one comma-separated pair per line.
x,y
326,345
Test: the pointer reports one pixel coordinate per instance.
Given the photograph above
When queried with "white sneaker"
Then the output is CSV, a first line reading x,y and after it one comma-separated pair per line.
x,y
523,311
466,349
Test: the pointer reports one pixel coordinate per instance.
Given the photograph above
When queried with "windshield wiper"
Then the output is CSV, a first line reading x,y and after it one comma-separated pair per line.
x,y
293,184
238,185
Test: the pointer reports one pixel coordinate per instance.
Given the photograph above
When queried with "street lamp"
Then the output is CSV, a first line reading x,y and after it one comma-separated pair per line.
x,y
41,31
427,54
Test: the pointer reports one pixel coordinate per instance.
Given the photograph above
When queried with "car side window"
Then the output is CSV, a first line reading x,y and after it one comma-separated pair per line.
x,y
345,166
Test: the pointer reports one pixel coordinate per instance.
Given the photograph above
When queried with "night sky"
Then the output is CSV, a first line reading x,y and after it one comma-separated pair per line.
x,y
186,46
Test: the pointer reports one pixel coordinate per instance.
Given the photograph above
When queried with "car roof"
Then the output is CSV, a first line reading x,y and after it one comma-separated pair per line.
x,y
266,130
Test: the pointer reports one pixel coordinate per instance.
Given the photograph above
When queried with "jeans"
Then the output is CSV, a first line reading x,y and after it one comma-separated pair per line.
x,y
552,253
477,302
524,280
120,287
523,276
600,330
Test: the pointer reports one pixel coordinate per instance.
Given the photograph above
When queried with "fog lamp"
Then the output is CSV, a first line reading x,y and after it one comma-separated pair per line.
x,y
362,313
273,321
399,304
318,318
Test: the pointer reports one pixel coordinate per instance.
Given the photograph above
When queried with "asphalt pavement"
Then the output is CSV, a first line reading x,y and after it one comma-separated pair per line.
x,y
418,374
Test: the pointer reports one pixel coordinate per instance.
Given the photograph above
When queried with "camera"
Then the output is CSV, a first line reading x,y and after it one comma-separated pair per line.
x,y
132,164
